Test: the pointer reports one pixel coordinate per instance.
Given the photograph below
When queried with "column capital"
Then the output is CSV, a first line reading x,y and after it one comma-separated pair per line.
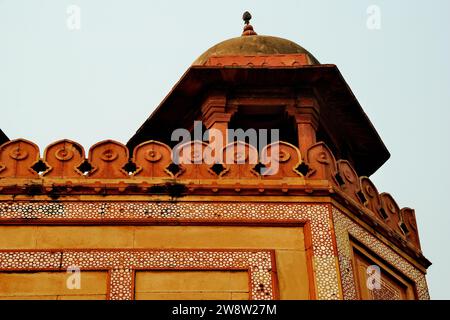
x,y
305,110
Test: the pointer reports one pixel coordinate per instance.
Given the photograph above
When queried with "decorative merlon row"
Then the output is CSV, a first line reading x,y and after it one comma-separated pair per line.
x,y
20,159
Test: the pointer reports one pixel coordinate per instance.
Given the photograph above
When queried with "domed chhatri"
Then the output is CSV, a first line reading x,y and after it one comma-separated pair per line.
x,y
251,44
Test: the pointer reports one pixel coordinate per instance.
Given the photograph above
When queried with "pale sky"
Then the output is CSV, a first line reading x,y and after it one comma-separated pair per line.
x,y
103,80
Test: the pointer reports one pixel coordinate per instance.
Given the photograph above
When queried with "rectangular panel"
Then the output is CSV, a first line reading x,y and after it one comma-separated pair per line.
x,y
231,237
245,237
387,285
191,284
288,243
52,285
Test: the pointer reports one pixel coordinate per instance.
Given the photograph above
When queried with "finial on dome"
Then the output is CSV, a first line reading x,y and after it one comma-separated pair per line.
x,y
246,17
248,29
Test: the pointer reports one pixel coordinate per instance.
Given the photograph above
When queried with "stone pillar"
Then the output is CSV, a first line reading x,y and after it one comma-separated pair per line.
x,y
306,114
215,116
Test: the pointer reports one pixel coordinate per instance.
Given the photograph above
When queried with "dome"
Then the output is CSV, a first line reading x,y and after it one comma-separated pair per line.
x,y
254,45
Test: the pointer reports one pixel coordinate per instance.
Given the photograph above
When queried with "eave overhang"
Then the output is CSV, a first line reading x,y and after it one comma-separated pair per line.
x,y
3,137
340,111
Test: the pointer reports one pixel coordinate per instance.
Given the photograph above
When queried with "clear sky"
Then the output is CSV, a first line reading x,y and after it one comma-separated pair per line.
x,y
104,79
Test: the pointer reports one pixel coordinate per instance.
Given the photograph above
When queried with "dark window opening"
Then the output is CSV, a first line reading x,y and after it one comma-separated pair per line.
x,y
265,117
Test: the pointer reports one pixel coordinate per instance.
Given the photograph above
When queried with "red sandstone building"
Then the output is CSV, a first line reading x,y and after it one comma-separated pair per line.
x,y
139,226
